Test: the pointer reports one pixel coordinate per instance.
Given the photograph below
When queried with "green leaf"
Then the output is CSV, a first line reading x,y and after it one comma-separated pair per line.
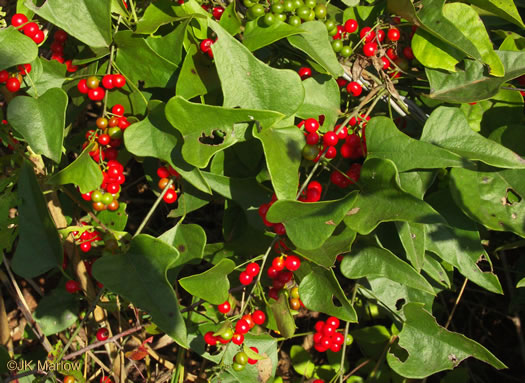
x,y
315,42
189,240
339,242
216,129
302,361
156,14
251,84
258,35
320,291
472,83
431,19
140,276
434,53
322,97
211,285
41,121
154,137
309,224
230,21
487,197
83,172
283,316
198,75
373,261
283,154
521,283
35,226
470,24
94,29
264,369
384,140
52,75
412,236
154,70
448,128
505,9
379,187
435,270
114,220
56,311
432,348
170,46
15,48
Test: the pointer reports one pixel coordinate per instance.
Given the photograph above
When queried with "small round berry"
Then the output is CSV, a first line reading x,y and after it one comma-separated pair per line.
x,y
96,94
163,172
351,26
217,12
39,37
259,317
60,36
104,139
117,110
210,339
102,334
273,293
4,75
354,88
245,278
331,152
391,54
253,269
163,182
408,53
312,138
278,263
206,45
311,125
330,138
279,229
18,19
272,272
241,358
319,325
367,33
72,286
253,361
305,72
170,196
82,86
338,338
69,379
238,339
224,308
333,321
295,304
248,318
393,34
294,293
119,80
85,247
292,263
12,84
57,48
386,62
70,67
380,35
105,379
92,82
369,49
24,69
242,327
107,81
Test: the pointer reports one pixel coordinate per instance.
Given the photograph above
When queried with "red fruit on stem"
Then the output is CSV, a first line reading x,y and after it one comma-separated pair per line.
x,y
354,88
367,33
18,19
224,308
311,125
369,49
259,317
292,263
245,278
393,34
119,80
107,81
102,334
72,286
253,269
12,84
351,26
305,72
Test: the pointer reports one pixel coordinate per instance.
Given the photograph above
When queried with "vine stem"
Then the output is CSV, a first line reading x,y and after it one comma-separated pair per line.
x,y
458,299
153,208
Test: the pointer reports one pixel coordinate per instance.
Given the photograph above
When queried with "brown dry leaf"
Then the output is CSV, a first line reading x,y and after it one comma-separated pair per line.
x,y
265,366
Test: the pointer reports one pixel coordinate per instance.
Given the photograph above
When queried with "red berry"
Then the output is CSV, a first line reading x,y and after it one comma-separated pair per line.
x,y
86,196
96,94
253,269
351,26
272,272
380,35
242,327
305,72
408,53
30,29
367,33
24,69
18,19
57,48
123,123
393,34
238,339
248,318
279,229
328,330
330,138
206,45
259,317
386,63
245,278
319,325
4,75
278,263
117,110
331,152
292,263
12,84
338,338
317,337
333,321
113,188
70,67
311,125
313,195
104,139
107,81
315,185
38,37
391,54
353,173
217,12
369,49
60,36
224,308
170,196
210,339
312,138
72,286
82,86
85,246
253,361
102,334
354,88
335,347
273,293
105,379
119,80
342,133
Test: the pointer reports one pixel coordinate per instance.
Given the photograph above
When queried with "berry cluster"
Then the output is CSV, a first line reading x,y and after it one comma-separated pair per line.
x,y
107,196
86,239
326,336
251,271
91,85
165,173
241,359
13,80
30,29
294,12
57,47
278,228
215,11
281,277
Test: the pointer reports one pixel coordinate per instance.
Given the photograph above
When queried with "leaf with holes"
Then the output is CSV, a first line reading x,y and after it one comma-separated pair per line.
x,y
373,261
216,129
320,291
140,276
211,285
432,348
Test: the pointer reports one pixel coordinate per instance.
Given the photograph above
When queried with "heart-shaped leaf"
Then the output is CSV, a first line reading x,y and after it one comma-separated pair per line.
x,y
15,48
373,261
449,348
95,28
320,291
189,240
56,311
158,13
322,97
308,225
248,82
140,276
41,121
83,172
211,285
